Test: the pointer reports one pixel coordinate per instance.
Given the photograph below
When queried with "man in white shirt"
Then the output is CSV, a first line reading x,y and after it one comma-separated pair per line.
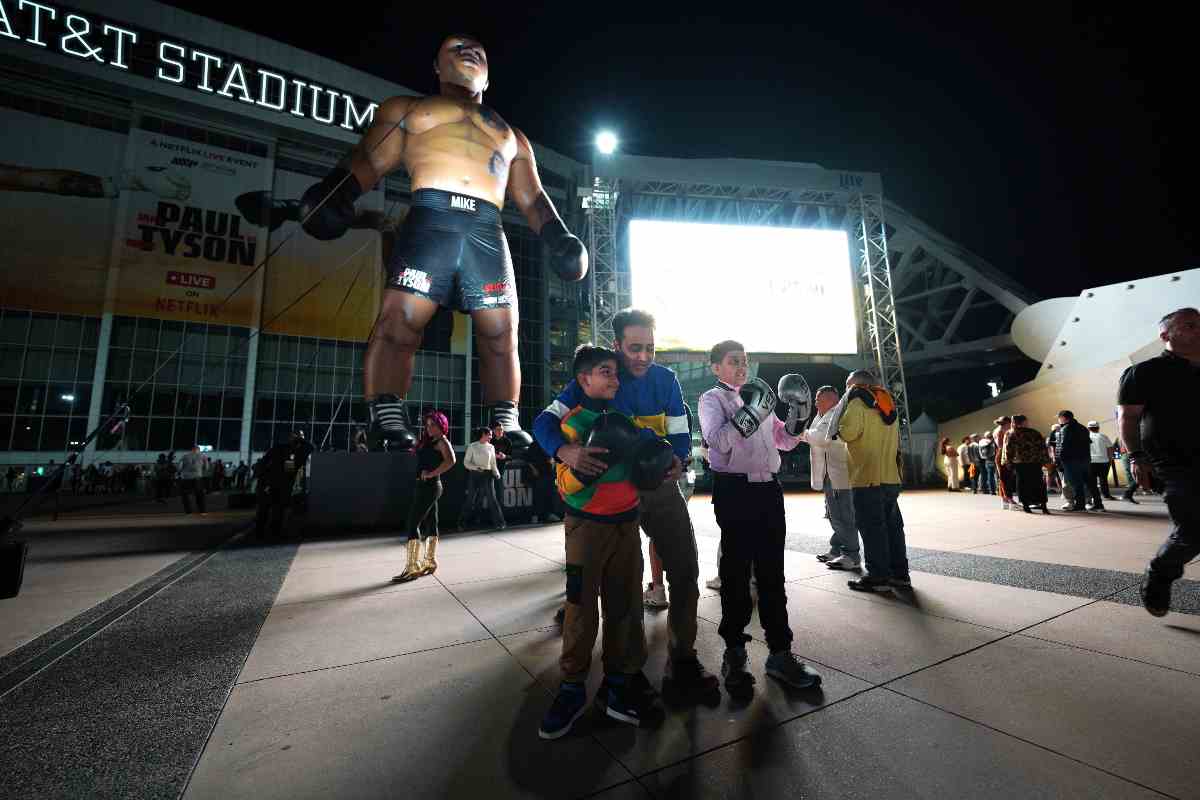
x,y
480,463
964,462
831,474
191,479
1102,448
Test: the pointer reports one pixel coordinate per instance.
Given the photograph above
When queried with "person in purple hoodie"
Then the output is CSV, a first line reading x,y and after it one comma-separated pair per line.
x,y
744,439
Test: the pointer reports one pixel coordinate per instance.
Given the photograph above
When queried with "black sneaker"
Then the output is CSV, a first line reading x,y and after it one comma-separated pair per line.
x,y
787,668
868,584
900,583
389,423
688,680
733,669
1156,595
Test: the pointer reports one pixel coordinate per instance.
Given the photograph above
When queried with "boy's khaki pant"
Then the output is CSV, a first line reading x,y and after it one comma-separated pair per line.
x,y
604,563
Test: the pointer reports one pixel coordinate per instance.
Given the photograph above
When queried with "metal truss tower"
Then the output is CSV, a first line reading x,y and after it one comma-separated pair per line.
x,y
859,213
880,330
926,304
609,285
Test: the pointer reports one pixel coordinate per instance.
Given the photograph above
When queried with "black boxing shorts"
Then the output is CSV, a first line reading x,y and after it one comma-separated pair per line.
x,y
452,250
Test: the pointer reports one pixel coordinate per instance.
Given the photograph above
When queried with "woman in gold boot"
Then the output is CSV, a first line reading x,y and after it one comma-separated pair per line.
x,y
434,456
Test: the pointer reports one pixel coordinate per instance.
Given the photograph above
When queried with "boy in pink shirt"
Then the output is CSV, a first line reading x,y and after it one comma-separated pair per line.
x,y
744,439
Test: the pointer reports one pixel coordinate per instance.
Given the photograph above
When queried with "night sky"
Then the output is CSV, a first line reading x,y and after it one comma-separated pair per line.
x,y
1050,140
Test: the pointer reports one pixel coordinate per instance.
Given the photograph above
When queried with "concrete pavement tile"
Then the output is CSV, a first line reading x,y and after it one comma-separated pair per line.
x,y
456,722
872,641
1114,547
536,536
626,791
879,744
994,606
1133,719
687,730
307,636
54,593
466,567
344,552
1129,632
357,578
102,577
25,621
512,605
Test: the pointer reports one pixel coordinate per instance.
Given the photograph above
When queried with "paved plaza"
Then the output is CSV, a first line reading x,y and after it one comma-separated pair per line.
x,y
153,656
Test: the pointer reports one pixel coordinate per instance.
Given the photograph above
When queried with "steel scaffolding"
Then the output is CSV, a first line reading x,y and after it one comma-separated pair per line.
x,y
880,337
609,284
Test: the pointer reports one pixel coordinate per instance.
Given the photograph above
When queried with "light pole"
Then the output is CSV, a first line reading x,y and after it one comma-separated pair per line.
x,y
601,222
70,398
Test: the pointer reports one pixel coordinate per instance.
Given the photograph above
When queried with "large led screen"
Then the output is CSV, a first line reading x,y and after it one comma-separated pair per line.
x,y
775,290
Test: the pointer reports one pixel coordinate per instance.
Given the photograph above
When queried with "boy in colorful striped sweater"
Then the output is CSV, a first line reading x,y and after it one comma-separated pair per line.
x,y
604,558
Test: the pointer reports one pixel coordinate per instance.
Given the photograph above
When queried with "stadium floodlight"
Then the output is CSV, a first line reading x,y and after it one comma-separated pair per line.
x,y
606,142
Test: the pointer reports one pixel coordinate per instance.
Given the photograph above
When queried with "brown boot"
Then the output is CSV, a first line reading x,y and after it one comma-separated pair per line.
x,y
412,570
429,565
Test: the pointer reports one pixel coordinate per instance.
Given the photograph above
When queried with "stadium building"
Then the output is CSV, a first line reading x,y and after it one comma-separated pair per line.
x,y
138,136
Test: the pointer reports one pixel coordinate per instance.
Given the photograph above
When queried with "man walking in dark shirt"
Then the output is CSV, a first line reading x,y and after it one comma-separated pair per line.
x,y
1157,421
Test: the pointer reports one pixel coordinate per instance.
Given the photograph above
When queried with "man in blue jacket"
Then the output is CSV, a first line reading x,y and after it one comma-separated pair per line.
x,y
651,396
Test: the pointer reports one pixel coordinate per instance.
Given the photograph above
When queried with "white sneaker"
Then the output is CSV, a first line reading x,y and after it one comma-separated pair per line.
x,y
1007,506
843,561
714,583
655,597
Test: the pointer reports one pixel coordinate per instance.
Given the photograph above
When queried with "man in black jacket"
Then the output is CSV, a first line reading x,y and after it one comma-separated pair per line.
x,y
1073,449
276,475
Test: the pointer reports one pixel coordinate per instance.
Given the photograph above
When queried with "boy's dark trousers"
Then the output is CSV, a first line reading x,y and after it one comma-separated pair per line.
x,y
753,530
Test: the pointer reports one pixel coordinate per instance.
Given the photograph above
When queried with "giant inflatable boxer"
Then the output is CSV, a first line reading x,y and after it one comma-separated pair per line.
x,y
463,161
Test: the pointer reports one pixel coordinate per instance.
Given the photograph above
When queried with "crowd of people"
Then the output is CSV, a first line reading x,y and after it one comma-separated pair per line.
x,y
158,480
1023,467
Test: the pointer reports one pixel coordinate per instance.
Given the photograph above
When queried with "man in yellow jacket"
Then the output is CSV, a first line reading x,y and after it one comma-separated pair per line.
x,y
869,426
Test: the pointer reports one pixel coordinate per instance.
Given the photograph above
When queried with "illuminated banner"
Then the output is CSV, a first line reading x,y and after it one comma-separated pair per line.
x,y
186,245
173,60
59,189
329,289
